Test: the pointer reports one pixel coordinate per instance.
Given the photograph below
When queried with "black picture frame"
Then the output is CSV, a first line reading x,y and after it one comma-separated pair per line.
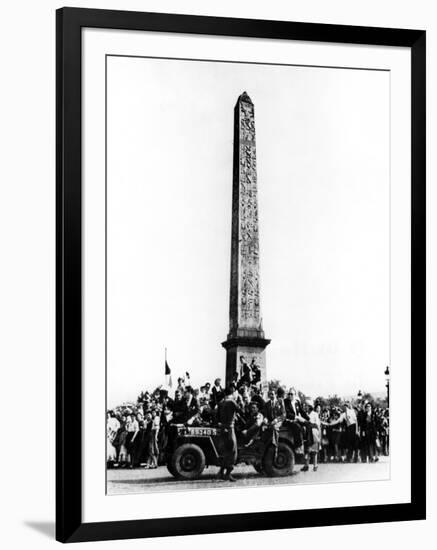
x,y
69,525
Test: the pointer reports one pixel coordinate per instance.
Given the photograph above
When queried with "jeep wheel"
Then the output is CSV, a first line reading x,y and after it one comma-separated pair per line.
x,y
187,462
278,461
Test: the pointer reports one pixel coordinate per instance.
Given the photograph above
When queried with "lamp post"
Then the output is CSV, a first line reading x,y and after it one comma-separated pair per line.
x,y
387,384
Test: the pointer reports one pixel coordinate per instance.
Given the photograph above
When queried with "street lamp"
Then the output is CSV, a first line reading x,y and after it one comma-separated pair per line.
x,y
360,394
387,384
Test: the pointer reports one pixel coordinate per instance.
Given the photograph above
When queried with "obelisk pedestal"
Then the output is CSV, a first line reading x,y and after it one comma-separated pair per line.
x,y
246,336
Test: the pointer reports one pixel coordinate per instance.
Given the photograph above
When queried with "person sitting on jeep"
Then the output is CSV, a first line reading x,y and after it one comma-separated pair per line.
x,y
296,417
274,409
256,396
254,421
246,406
274,412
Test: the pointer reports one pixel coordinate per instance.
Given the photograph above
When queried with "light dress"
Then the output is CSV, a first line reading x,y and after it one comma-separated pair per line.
x,y
317,432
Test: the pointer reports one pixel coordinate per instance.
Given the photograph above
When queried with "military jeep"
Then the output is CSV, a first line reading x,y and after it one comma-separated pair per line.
x,y
191,449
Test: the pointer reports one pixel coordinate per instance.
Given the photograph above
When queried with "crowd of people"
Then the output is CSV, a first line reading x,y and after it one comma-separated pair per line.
x,y
137,433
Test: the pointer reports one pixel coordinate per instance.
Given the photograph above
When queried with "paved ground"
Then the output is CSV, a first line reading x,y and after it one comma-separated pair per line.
x,y
142,481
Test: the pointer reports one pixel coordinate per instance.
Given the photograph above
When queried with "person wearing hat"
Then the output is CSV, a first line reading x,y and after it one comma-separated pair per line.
x,y
312,446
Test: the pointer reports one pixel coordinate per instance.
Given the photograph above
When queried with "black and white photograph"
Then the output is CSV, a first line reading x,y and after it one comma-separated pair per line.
x,y
248,260
217,242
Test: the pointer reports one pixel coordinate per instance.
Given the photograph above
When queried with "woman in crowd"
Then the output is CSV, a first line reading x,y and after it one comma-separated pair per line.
x,y
112,427
138,442
132,429
153,449
324,443
335,433
312,443
166,416
384,431
120,443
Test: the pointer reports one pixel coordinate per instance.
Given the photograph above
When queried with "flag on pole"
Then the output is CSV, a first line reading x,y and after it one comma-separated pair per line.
x,y
167,372
167,368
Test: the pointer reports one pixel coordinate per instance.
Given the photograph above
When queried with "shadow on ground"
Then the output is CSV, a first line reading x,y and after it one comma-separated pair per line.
x,y
171,480
46,528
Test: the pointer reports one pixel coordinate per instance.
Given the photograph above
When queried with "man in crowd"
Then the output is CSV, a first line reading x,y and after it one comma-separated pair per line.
x,y
178,408
191,405
274,412
256,372
217,393
227,411
245,372
256,396
351,433
246,403
254,421
297,417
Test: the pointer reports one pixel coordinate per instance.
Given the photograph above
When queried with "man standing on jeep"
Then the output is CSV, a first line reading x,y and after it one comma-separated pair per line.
x,y
227,410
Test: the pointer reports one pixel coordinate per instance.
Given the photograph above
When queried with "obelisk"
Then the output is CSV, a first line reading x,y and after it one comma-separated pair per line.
x,y
245,342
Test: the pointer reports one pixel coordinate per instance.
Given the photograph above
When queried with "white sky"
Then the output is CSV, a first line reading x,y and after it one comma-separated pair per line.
x,y
323,185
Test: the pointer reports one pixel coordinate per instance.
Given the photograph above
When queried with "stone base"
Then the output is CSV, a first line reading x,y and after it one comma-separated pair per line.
x,y
249,347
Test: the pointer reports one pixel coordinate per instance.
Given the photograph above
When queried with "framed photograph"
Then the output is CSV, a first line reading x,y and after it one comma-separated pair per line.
x,y
240,274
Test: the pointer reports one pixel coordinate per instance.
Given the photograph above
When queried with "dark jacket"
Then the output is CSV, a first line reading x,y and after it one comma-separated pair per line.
x,y
191,408
227,411
274,410
179,411
290,412
217,395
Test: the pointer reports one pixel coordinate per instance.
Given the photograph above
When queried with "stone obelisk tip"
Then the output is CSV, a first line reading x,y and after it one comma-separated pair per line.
x,y
245,97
